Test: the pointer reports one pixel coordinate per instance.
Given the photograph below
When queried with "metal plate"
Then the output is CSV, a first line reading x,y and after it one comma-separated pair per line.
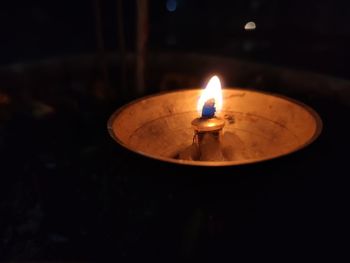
x,y
267,125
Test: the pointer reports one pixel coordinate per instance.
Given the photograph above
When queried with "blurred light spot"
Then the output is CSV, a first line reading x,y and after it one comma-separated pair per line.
x,y
250,26
171,5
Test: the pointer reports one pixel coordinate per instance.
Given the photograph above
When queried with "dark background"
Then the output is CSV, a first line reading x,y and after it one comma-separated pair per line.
x,y
311,35
67,192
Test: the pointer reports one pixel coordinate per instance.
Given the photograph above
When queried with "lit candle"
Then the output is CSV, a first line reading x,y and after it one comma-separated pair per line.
x,y
208,127
208,106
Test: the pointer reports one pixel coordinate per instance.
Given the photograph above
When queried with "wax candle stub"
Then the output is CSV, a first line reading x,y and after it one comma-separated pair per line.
x,y
209,109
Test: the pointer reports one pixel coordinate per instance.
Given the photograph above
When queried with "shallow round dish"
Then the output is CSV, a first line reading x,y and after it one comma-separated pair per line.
x,y
268,125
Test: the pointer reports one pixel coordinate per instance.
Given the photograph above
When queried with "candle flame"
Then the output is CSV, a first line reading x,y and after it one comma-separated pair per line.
x,y
211,91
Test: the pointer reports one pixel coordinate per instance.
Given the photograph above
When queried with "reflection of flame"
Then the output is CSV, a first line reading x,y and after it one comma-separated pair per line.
x,y
211,91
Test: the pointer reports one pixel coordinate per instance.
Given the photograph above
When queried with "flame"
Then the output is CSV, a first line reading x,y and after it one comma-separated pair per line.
x,y
211,91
